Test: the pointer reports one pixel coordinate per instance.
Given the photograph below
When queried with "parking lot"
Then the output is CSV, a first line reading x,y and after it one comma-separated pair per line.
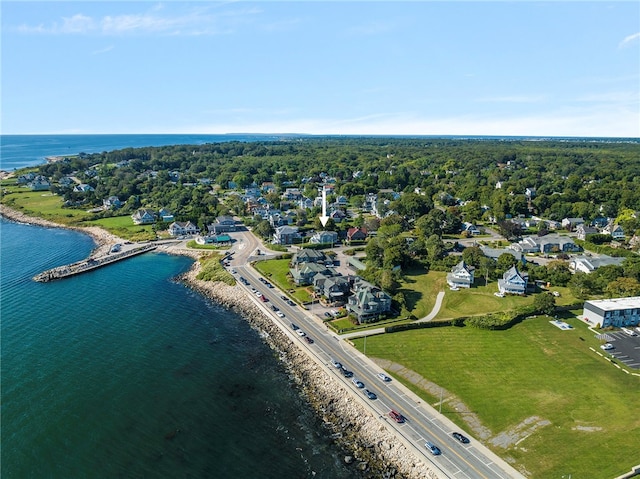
x,y
626,349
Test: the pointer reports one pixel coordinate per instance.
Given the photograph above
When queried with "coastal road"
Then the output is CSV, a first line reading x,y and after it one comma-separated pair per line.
x,y
423,423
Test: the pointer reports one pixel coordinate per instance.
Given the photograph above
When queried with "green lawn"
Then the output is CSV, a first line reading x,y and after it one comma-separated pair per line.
x,y
277,270
532,369
478,300
420,290
44,204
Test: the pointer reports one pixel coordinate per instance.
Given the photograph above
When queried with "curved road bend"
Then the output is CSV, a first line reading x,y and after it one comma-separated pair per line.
x,y
459,461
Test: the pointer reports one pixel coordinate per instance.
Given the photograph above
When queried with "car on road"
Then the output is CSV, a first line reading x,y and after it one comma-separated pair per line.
x,y
280,314
384,377
269,285
300,332
291,303
274,307
371,395
345,372
263,298
233,271
396,416
606,346
460,437
336,364
433,449
308,339
327,314
358,383
294,326
283,297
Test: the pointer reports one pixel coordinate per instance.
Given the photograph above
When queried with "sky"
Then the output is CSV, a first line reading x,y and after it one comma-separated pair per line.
x,y
547,68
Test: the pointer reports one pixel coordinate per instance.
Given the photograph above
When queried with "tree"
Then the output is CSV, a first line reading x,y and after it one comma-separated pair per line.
x,y
473,255
435,248
623,287
263,229
558,273
544,303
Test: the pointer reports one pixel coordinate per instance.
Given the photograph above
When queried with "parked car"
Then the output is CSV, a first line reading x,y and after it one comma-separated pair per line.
x,y
433,449
371,395
606,346
396,416
463,439
384,377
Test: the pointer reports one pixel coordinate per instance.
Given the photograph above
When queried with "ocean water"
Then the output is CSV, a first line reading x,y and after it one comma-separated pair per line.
x,y
19,151
123,372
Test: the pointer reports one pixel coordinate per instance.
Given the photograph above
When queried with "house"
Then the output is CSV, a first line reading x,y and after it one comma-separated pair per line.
x,y
496,252
513,282
214,239
615,230
356,234
83,188
334,288
113,202
305,203
144,217
337,215
571,223
181,228
552,243
292,194
583,230
530,193
368,302
223,224
308,256
461,276
617,312
587,264
165,215
304,273
324,237
470,228
39,183
286,235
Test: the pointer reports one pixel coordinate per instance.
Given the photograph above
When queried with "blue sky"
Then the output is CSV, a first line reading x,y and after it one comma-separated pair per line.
x,y
431,68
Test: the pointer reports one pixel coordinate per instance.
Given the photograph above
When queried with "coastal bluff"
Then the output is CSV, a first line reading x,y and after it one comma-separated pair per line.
x,y
368,444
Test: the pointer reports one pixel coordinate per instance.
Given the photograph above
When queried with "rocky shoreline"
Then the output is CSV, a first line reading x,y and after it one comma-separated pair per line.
x,y
369,446
372,448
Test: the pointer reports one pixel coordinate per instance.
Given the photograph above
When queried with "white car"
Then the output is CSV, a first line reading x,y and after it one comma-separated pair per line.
x,y
300,332
384,377
606,346
280,314
499,295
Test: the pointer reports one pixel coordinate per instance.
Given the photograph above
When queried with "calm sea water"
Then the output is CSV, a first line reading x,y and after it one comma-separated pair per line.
x,y
18,151
123,372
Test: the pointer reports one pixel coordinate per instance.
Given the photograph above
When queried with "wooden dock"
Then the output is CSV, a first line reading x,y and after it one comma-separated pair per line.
x,y
90,264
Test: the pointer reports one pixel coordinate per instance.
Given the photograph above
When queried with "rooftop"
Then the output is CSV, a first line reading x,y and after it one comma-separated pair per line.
x,y
616,303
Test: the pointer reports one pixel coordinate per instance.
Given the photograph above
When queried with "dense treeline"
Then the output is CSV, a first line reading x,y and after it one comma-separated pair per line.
x,y
571,179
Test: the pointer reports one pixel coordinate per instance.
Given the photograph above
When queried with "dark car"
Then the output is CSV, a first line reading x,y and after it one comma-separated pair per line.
x,y
346,373
308,339
274,307
291,303
371,395
396,416
327,314
294,326
463,439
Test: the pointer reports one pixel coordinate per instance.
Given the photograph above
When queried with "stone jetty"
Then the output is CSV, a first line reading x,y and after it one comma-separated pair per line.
x,y
90,264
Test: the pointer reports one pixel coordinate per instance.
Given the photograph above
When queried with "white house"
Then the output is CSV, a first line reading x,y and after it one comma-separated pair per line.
x,y
180,228
461,275
513,282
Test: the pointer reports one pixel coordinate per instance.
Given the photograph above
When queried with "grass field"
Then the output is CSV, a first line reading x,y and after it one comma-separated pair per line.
x,y
420,290
532,369
277,270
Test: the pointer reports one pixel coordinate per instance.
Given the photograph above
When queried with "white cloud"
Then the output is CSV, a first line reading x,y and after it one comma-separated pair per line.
x,y
629,39
157,20
102,50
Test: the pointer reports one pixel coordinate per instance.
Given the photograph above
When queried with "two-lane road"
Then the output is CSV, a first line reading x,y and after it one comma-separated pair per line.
x,y
423,422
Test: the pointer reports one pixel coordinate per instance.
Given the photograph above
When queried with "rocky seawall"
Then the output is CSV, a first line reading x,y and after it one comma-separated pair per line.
x,y
370,446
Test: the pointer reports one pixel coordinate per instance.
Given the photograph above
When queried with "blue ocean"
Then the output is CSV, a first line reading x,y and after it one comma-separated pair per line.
x,y
124,372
